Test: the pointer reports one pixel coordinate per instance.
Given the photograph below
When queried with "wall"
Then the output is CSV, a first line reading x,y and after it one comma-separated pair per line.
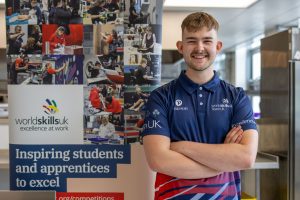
x,y
172,32
2,27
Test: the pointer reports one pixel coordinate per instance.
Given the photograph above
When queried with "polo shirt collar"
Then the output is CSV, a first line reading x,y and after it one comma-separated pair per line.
x,y
190,86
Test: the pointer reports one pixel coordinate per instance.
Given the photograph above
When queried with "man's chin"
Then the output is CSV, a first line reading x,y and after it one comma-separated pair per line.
x,y
199,68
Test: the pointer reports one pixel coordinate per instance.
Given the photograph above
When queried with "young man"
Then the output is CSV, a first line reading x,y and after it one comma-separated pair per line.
x,y
199,131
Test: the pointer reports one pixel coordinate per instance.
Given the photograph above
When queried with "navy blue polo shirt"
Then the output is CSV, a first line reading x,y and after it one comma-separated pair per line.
x,y
184,110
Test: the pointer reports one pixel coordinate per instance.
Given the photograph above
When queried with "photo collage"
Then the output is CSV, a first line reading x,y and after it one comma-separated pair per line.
x,y
110,47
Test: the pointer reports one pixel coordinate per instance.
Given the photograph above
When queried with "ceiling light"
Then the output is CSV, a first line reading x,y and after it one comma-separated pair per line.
x,y
208,3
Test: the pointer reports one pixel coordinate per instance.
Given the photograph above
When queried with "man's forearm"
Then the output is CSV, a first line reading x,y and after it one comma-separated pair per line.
x,y
161,159
177,165
221,157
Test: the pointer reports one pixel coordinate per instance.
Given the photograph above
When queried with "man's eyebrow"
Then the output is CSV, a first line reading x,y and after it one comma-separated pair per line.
x,y
195,38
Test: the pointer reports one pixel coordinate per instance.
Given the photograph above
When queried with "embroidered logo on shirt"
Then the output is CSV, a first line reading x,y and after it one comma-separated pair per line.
x,y
152,124
223,106
178,102
155,113
225,101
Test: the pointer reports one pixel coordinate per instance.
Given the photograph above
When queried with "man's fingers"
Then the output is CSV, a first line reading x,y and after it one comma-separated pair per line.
x,y
231,133
235,137
239,139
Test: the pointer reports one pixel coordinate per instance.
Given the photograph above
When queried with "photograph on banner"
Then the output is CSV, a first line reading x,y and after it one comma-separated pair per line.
x,y
62,69
103,39
143,12
103,11
24,69
103,114
62,12
63,40
103,69
142,39
24,39
24,12
147,72
16,38
135,98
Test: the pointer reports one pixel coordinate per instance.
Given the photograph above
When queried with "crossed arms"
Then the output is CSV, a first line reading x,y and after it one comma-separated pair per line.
x,y
193,160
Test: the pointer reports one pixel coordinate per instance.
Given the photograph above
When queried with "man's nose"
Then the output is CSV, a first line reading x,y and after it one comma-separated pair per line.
x,y
199,46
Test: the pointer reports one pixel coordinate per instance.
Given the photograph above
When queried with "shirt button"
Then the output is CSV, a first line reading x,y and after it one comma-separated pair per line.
x,y
200,88
201,103
200,95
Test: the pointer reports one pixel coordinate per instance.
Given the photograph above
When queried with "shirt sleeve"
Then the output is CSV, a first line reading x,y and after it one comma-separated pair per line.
x,y
243,113
156,121
51,71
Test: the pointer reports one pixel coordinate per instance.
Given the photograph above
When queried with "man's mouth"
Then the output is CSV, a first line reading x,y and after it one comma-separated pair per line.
x,y
199,55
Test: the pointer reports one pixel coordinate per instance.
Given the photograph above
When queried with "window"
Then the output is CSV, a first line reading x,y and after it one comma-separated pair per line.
x,y
255,65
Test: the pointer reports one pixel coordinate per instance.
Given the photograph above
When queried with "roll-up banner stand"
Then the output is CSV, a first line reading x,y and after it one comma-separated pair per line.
x,y
79,75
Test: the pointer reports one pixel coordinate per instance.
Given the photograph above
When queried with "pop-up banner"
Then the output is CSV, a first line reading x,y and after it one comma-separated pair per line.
x,y
79,75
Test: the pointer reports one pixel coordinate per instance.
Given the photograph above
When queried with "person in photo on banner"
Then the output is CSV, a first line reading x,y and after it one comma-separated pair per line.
x,y
140,99
20,65
35,11
57,40
15,40
199,131
149,41
61,13
113,105
96,12
106,129
112,6
141,73
49,71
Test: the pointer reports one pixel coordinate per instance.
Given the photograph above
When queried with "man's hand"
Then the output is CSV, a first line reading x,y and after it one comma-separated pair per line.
x,y
235,135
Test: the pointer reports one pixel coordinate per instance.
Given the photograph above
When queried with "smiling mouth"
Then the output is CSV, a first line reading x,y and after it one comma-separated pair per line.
x,y
199,56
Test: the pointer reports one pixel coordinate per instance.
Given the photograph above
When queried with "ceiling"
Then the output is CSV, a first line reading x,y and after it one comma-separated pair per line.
x,y
240,25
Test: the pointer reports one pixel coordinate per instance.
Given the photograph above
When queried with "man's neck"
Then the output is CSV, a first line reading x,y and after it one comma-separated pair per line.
x,y
200,77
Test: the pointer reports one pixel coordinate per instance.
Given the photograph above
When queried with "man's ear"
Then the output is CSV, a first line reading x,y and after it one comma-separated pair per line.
x,y
179,46
219,46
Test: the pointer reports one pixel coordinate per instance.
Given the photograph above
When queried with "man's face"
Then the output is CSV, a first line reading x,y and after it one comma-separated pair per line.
x,y
199,49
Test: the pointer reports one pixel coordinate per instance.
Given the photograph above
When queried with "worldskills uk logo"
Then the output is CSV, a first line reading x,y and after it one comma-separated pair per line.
x,y
50,107
41,123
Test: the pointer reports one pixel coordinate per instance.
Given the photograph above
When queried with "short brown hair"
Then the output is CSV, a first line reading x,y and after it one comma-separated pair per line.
x,y
199,20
